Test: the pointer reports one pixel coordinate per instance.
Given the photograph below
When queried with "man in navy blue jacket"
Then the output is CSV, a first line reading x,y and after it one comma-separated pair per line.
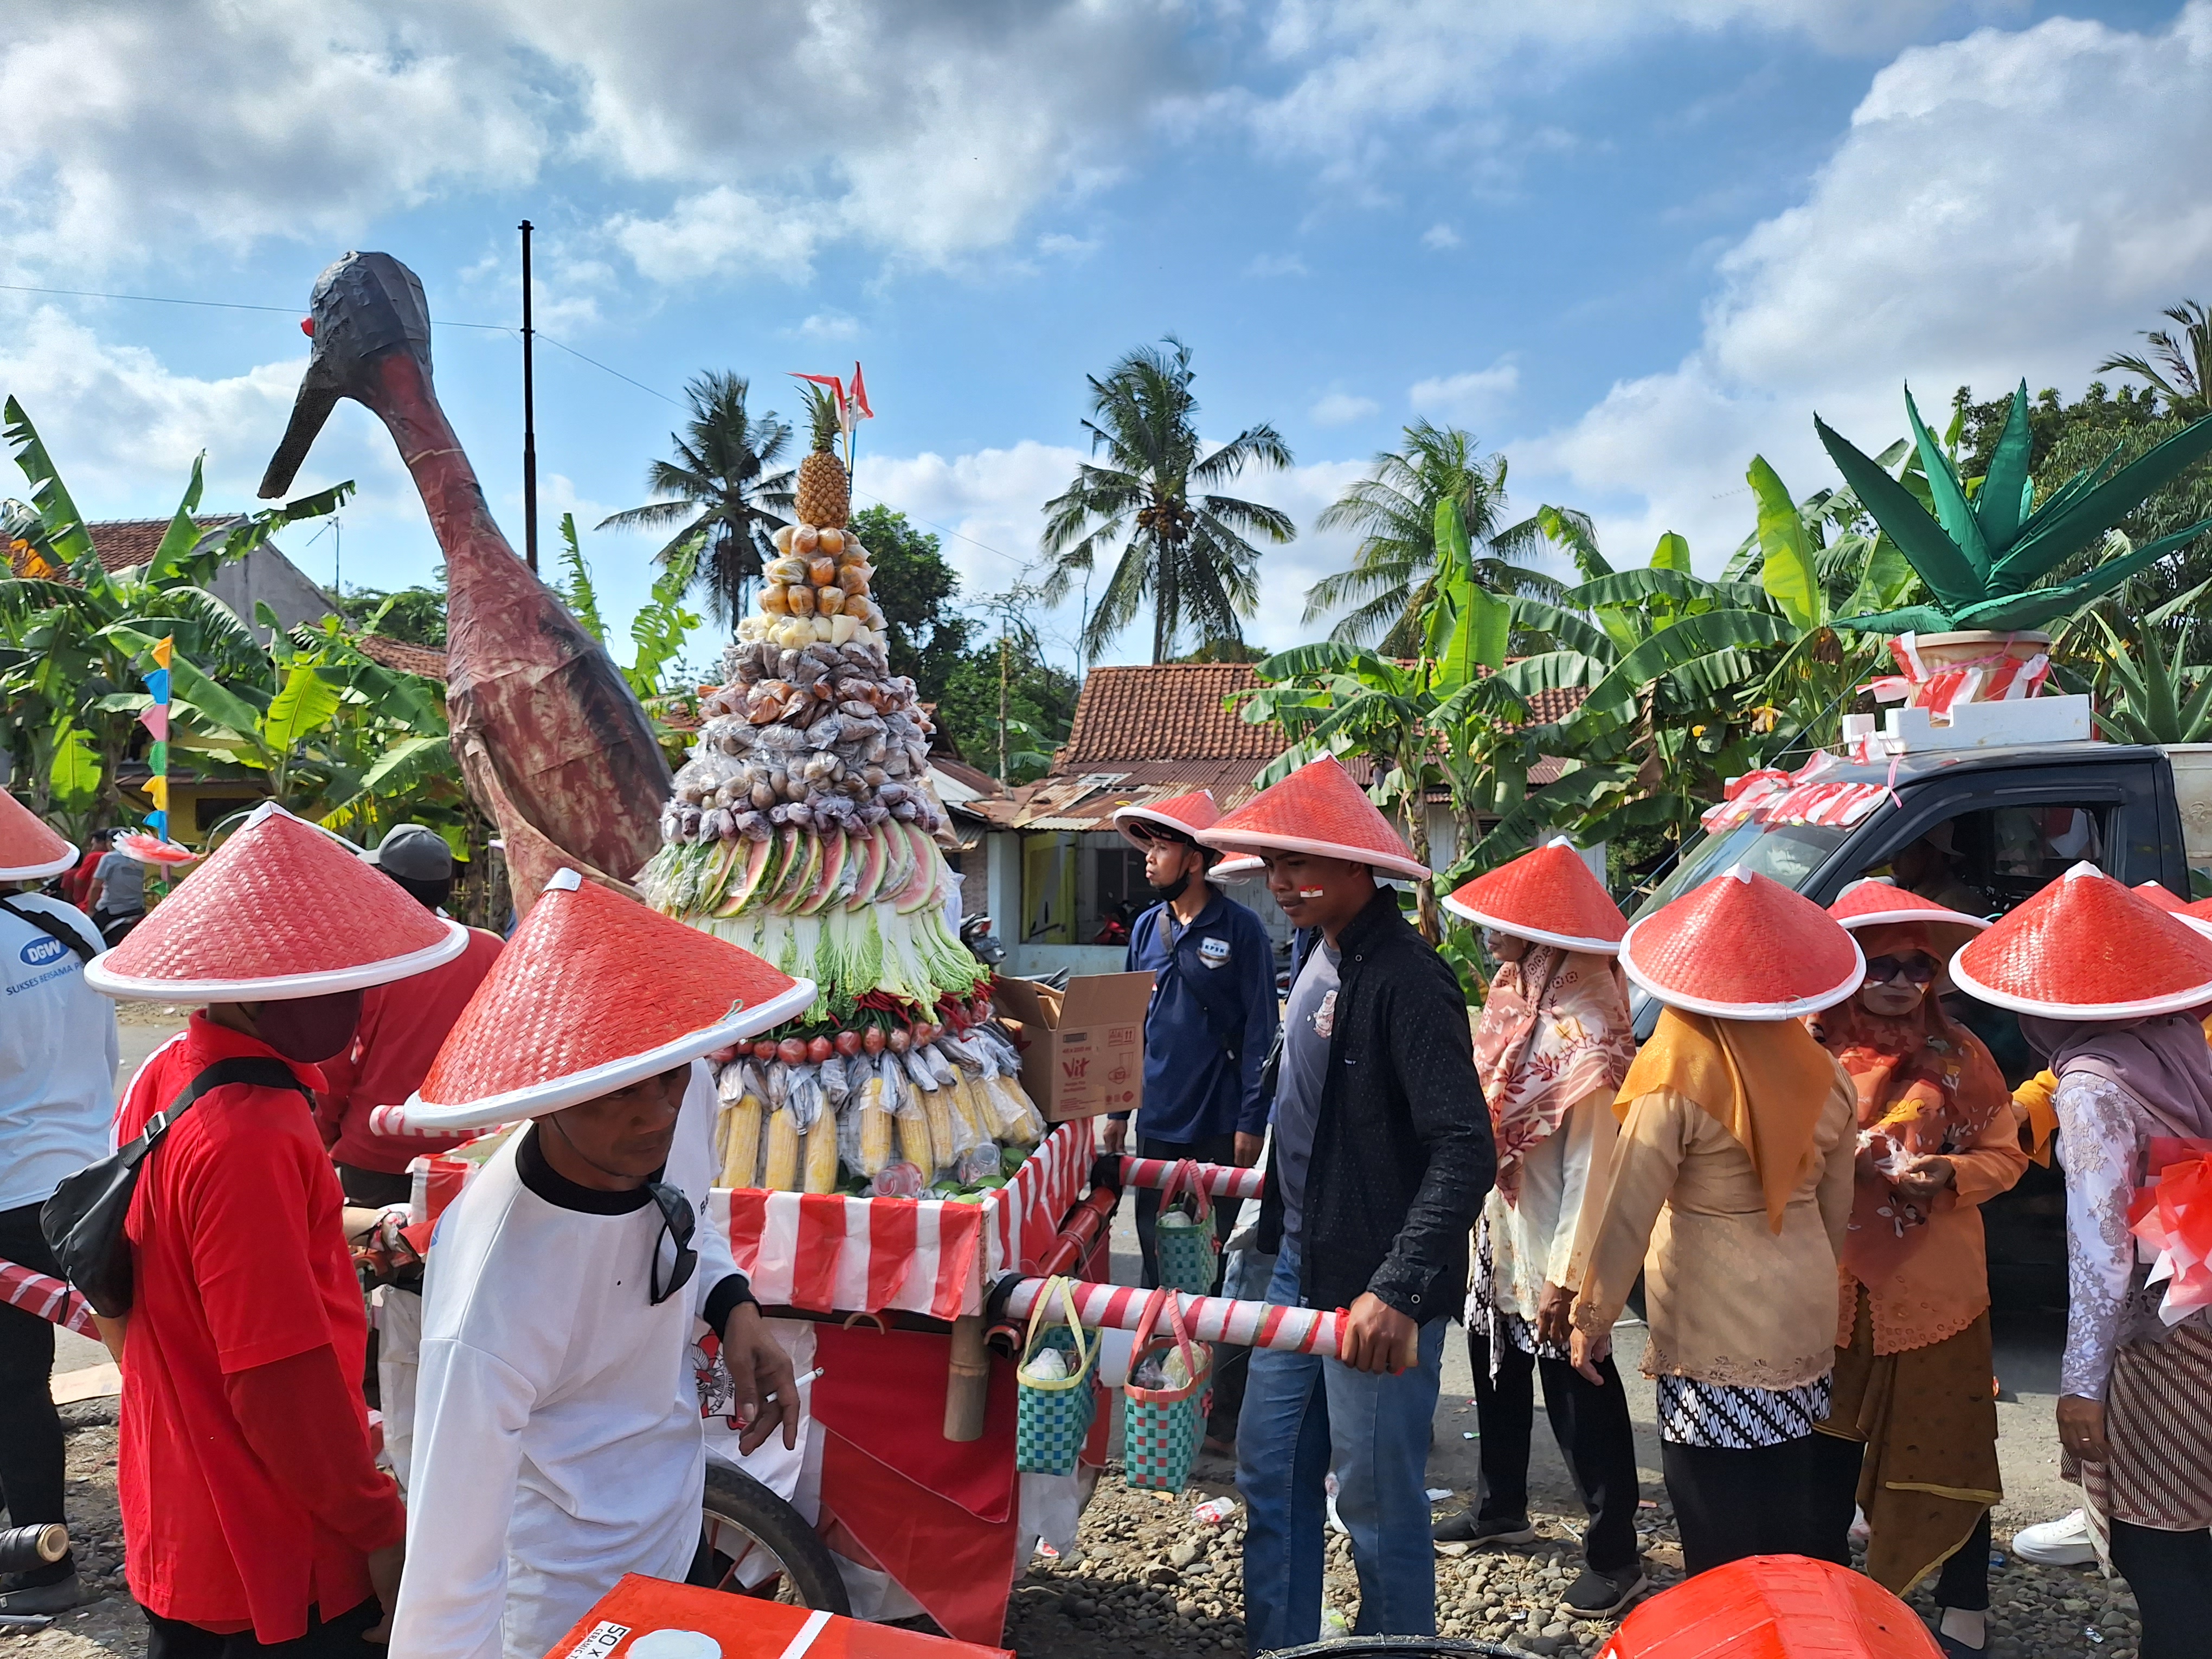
x,y
1212,1014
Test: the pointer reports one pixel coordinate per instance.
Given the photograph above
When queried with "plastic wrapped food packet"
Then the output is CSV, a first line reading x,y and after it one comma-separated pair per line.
x,y
1047,1366
963,1051
898,1180
743,1119
940,1066
836,1085
1020,1123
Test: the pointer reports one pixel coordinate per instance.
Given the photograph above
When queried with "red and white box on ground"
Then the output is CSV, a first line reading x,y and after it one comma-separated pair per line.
x,y
651,1619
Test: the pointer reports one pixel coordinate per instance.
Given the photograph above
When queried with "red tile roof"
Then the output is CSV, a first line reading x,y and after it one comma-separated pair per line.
x,y
402,658
1165,711
1153,731
127,543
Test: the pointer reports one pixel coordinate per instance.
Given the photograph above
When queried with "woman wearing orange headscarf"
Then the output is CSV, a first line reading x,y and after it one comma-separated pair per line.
x,y
1911,1432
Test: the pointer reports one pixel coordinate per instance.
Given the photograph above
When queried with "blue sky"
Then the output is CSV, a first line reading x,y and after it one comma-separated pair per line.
x,y
1627,242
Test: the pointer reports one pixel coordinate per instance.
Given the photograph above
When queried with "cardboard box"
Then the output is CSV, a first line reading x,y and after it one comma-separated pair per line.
x,y
1086,1053
682,1621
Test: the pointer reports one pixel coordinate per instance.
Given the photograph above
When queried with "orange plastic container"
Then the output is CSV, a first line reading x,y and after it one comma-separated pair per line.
x,y
1773,1607
651,1619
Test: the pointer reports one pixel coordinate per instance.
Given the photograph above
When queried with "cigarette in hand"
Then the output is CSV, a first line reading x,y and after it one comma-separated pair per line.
x,y
771,1397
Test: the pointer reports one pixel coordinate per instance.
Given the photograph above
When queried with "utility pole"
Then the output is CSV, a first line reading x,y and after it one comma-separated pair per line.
x,y
529,420
1002,699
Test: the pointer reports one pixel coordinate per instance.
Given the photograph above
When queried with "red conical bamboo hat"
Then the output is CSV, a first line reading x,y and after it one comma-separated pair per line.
x,y
1877,901
2198,915
1743,946
1236,868
2086,947
1549,895
1318,809
1185,814
283,910
29,848
2157,893
594,991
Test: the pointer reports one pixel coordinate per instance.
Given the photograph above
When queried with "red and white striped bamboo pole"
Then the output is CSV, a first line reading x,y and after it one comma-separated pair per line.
x,y
1221,1179
1209,1318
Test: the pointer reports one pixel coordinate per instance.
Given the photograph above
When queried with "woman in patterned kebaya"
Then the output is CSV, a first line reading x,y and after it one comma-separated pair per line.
x,y
1554,1042
1731,1185
2112,991
1911,1433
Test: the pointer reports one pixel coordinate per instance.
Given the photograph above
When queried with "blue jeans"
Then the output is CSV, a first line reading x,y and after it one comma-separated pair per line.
x,y
1302,1412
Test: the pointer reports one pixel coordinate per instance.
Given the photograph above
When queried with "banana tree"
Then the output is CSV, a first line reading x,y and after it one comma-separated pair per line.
x,y
69,678
1445,719
1982,550
660,630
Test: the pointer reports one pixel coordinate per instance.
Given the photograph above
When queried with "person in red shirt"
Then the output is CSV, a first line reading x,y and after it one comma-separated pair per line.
x,y
76,885
253,1514
401,1027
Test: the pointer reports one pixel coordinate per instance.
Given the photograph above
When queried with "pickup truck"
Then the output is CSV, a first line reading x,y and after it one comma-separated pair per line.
x,y
1981,828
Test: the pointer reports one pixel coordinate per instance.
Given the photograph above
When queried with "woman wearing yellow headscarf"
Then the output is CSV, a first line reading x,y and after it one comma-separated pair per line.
x,y
1730,1187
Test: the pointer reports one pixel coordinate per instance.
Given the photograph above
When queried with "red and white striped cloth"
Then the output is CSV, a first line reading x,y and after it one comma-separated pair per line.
x,y
1808,795
1997,677
829,1254
47,1296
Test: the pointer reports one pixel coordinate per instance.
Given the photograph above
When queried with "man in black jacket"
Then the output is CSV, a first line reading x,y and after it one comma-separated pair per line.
x,y
1381,1160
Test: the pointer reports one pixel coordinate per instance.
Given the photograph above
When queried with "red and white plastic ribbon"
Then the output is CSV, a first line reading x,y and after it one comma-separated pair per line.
x,y
1808,795
1999,676
2172,1214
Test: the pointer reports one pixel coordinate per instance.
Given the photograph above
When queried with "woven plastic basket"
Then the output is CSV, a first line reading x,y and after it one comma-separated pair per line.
x,y
1161,1428
1052,1414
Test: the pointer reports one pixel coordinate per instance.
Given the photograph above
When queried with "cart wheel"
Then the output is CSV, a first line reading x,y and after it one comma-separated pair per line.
x,y
753,1543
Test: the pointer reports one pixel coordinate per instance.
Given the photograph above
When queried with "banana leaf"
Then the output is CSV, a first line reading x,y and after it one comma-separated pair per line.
x,y
1563,627
1787,568
1628,589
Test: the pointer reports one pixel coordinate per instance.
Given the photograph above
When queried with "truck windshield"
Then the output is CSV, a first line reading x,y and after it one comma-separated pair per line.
x,y
1789,852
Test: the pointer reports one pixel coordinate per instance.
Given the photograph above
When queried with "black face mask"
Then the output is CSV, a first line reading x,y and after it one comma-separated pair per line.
x,y
1173,891
309,1029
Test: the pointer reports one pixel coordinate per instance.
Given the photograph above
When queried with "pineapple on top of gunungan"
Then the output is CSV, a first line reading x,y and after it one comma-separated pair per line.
x,y
817,587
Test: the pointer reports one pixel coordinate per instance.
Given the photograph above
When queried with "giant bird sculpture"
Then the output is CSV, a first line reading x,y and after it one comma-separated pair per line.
x,y
551,742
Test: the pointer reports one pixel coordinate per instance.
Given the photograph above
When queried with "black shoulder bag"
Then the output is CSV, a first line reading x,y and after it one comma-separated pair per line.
x,y
83,1220
54,928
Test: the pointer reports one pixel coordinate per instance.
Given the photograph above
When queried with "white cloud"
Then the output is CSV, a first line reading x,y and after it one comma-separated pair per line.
x,y
1365,70
1057,245
829,325
1472,396
1440,236
1341,409
1985,218
1276,264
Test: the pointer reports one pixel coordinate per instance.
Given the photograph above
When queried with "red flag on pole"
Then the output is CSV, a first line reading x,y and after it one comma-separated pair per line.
x,y
860,395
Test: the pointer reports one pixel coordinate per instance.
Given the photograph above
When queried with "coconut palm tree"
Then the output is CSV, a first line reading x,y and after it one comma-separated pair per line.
x,y
720,482
1187,553
1394,509
2182,374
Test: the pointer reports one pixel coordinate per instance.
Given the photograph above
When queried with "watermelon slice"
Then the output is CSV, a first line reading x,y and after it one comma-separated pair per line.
x,y
920,890
746,882
870,874
806,867
825,879
781,845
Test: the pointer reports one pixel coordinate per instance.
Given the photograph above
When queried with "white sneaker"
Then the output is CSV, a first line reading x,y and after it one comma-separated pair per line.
x,y
2062,1543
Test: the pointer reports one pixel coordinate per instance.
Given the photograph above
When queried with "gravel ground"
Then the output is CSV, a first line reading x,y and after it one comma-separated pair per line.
x,y
1147,1579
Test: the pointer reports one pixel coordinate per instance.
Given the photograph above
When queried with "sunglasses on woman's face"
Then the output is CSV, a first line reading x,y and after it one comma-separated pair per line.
x,y
1916,968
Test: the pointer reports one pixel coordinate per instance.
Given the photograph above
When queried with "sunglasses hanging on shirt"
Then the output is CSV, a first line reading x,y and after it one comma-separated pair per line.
x,y
679,1221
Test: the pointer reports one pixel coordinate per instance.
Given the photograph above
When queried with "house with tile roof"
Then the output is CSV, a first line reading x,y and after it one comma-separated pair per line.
x,y
264,576
1060,875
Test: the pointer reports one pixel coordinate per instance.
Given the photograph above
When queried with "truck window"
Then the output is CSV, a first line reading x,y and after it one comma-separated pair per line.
x,y
1986,862
1789,852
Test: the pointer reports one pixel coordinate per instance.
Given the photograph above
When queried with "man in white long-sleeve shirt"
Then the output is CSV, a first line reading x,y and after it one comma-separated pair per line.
x,y
557,1442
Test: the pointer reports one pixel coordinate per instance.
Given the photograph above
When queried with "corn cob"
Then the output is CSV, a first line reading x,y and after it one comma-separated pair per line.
x,y
875,1126
967,1111
741,1122
914,1139
780,1173
944,1133
822,1155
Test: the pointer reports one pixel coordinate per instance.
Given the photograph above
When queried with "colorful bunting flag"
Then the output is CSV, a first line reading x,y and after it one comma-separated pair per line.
x,y
156,719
